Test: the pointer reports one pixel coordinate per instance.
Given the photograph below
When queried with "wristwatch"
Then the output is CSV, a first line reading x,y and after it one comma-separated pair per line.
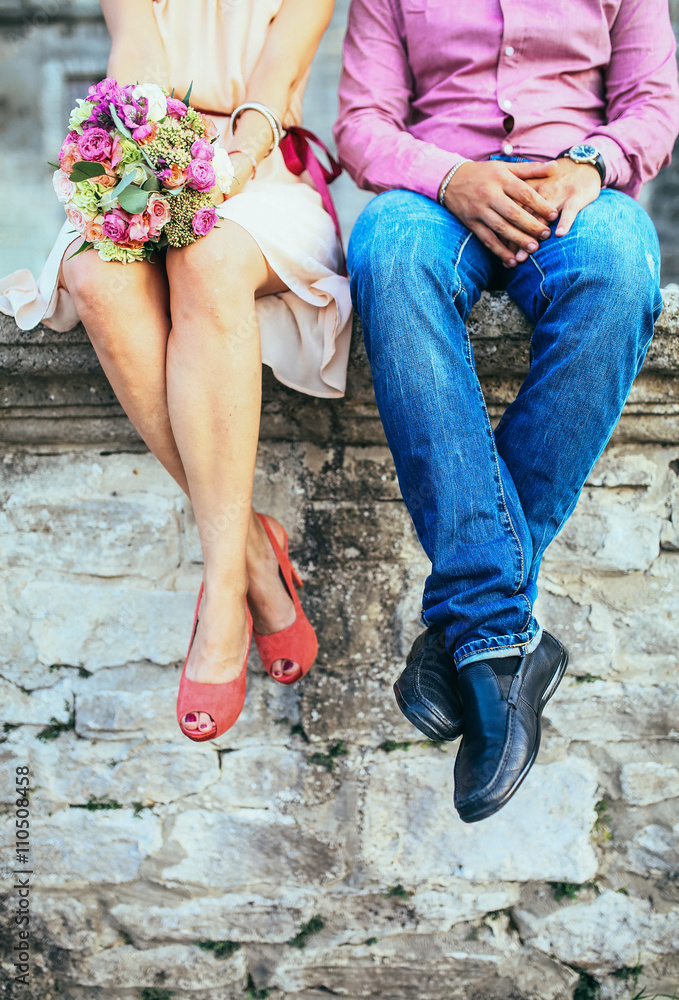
x,y
585,153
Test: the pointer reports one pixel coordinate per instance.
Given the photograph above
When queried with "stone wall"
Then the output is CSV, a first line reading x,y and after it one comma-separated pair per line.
x,y
314,849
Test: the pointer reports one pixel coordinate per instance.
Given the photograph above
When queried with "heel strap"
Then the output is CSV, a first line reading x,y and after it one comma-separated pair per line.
x,y
285,566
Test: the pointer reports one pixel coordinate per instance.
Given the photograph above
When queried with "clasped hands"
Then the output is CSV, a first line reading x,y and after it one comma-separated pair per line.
x,y
510,206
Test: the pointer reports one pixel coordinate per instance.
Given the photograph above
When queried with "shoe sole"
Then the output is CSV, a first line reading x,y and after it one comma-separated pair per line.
x,y
422,720
557,677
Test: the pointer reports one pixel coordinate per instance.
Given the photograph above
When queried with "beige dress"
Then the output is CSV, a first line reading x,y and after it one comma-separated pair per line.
x,y
305,332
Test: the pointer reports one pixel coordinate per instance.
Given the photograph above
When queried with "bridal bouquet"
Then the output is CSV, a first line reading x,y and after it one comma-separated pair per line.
x,y
136,169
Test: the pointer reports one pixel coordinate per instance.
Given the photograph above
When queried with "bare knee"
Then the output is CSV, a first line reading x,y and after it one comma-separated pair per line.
x,y
215,278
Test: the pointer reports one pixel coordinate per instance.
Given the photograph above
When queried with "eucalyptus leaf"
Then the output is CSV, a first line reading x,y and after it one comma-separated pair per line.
x,y
84,170
133,200
188,94
110,197
152,184
118,123
85,245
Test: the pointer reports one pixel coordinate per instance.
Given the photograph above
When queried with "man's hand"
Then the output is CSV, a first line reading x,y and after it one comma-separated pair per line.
x,y
501,204
568,189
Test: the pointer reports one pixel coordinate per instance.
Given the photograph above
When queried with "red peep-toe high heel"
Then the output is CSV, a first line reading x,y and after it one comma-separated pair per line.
x,y
223,702
298,641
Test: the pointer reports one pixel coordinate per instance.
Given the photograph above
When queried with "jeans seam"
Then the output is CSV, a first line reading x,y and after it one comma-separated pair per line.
x,y
503,499
489,425
547,299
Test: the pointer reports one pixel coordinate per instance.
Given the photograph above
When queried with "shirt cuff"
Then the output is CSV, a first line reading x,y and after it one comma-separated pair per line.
x,y
618,170
438,164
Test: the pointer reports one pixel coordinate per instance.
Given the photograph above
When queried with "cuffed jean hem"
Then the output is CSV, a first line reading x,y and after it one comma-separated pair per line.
x,y
503,645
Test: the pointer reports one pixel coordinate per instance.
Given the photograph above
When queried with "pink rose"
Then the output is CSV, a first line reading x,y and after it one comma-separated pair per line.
x,y
157,213
64,188
78,219
200,174
68,154
116,151
202,150
175,108
116,225
145,133
95,144
139,229
94,230
204,220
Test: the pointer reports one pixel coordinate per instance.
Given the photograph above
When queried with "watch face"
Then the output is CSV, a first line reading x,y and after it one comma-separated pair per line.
x,y
583,152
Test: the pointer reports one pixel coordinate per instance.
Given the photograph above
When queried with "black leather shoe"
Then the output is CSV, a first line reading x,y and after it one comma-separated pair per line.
x,y
503,700
426,691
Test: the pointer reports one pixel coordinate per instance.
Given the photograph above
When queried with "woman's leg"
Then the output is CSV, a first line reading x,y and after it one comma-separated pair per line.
x,y
214,398
125,310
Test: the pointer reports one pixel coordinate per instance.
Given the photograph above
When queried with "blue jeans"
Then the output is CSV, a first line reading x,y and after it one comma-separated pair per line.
x,y
487,504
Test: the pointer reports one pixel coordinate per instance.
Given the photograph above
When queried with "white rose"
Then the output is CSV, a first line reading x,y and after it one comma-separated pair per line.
x,y
223,168
64,186
157,102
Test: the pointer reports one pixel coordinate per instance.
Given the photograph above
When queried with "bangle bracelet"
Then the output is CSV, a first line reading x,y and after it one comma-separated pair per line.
x,y
448,178
271,117
250,157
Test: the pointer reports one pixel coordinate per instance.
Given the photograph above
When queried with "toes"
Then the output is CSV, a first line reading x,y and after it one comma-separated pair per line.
x,y
285,670
198,722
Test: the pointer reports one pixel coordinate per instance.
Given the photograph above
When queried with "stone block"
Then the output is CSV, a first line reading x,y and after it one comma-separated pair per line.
x,y
98,537
72,923
259,778
654,851
17,707
75,848
245,849
96,624
608,533
603,712
608,933
244,917
543,833
586,630
126,772
168,966
648,782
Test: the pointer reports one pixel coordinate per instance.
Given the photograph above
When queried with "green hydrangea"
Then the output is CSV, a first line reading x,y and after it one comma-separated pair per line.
x,y
80,114
87,197
179,230
108,250
131,151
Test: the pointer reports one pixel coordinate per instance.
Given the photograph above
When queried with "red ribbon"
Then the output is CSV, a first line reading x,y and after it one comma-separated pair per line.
x,y
299,156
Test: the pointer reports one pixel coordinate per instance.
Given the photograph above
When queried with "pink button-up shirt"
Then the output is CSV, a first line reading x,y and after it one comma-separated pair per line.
x,y
428,82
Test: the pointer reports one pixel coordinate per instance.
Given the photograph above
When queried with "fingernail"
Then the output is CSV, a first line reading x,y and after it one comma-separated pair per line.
x,y
546,233
559,231
532,247
203,725
511,263
554,214
190,717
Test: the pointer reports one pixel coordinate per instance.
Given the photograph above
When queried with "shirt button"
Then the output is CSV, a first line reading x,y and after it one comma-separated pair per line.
x,y
507,104
509,51
508,148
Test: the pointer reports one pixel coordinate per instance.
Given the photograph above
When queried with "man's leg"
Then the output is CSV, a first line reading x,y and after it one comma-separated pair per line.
x,y
594,297
416,272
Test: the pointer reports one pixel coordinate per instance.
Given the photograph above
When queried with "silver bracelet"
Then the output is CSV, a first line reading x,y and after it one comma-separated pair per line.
x,y
271,117
448,178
